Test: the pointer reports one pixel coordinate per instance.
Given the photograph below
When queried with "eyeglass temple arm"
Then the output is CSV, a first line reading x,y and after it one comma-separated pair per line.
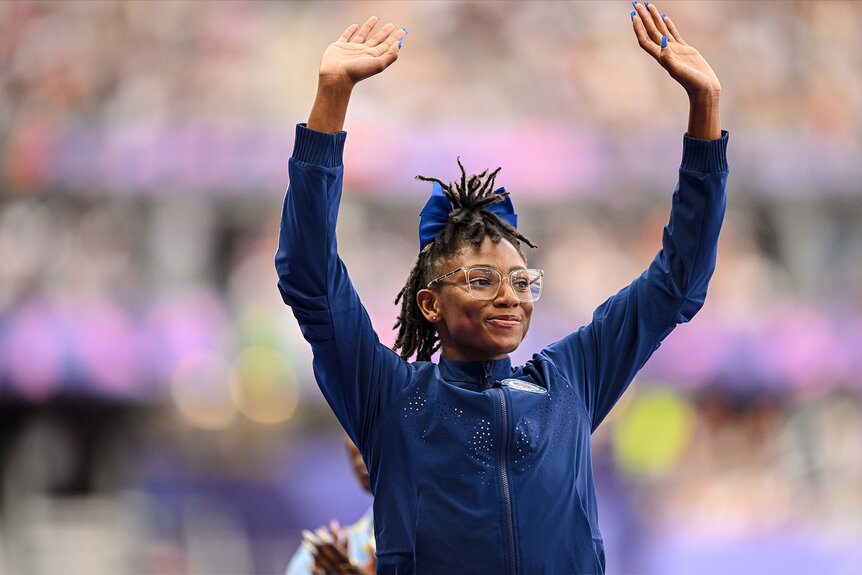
x,y
444,276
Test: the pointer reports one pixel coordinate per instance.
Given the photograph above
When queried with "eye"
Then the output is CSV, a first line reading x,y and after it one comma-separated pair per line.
x,y
521,284
480,282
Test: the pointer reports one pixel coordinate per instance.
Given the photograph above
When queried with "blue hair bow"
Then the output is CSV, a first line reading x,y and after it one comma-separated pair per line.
x,y
434,215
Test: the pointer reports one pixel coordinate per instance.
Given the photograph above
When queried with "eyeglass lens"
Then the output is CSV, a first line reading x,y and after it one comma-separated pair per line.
x,y
484,283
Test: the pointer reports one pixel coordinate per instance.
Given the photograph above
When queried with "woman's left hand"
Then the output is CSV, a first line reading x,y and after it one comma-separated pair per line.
x,y
683,62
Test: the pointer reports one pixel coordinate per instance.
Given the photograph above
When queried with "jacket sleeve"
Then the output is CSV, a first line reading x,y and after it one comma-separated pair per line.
x,y
355,372
602,358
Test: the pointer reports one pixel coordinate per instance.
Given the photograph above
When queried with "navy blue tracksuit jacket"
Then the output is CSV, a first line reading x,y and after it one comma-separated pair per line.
x,y
484,467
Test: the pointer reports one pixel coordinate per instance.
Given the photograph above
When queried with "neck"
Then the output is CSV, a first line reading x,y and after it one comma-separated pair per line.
x,y
463,355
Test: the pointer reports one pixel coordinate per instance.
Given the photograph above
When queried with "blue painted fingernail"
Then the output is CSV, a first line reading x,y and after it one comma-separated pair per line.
x,y
635,4
406,31
646,4
633,16
662,16
664,41
401,41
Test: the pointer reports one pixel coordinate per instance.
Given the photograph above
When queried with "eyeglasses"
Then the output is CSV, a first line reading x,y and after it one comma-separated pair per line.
x,y
484,282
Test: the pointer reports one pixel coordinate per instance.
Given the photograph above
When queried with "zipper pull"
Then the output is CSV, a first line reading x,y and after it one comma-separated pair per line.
x,y
489,380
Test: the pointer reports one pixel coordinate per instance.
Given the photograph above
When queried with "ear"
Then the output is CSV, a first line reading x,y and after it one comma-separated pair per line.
x,y
428,304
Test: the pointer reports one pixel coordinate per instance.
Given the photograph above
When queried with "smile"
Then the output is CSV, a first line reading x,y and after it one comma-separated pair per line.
x,y
505,321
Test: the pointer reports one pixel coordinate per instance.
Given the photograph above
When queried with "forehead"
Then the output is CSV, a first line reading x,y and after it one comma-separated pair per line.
x,y
502,255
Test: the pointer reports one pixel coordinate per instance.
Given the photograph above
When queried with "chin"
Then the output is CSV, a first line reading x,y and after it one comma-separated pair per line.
x,y
507,348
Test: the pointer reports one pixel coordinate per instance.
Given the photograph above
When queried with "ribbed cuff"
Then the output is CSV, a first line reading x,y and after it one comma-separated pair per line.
x,y
319,148
706,156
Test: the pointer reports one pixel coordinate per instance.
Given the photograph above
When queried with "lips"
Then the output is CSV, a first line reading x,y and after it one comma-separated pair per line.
x,y
505,321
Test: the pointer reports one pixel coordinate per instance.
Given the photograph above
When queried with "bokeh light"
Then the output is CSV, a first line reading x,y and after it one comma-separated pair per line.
x,y
652,432
263,385
200,390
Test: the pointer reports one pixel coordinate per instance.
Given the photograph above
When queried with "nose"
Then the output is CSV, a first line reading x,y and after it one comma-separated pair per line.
x,y
506,294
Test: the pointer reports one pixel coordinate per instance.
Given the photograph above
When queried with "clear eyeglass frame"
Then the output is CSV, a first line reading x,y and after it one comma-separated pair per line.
x,y
533,289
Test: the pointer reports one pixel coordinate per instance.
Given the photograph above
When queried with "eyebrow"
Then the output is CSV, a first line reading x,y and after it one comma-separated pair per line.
x,y
511,269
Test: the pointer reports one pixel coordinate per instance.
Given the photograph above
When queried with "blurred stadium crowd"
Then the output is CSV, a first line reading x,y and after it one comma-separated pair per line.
x,y
157,408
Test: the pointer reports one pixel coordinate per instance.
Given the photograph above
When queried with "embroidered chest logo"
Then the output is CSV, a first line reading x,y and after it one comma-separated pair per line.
x,y
522,385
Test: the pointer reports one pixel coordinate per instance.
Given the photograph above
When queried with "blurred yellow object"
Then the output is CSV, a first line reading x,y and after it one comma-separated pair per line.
x,y
263,385
649,437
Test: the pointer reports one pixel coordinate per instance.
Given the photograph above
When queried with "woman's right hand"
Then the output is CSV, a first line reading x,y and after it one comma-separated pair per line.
x,y
357,55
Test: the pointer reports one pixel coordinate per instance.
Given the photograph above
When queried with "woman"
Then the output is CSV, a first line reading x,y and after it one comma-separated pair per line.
x,y
478,466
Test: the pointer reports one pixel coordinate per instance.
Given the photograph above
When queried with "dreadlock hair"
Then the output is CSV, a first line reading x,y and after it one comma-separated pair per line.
x,y
467,222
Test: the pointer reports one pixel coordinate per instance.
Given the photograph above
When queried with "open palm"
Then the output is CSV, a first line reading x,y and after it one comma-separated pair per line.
x,y
355,56
683,62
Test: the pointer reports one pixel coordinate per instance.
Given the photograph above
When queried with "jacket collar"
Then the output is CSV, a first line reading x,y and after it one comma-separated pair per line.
x,y
479,375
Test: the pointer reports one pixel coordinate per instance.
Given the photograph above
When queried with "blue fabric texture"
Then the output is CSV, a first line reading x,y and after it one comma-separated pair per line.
x,y
472,473
434,215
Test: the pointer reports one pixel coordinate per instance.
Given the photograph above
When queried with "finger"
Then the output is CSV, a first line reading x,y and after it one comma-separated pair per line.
x,y
311,537
349,32
648,23
644,40
324,535
381,35
394,38
363,32
338,558
658,21
673,31
385,59
324,559
332,559
330,551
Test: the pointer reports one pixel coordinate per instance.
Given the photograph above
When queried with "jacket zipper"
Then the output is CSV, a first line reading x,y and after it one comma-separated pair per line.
x,y
504,478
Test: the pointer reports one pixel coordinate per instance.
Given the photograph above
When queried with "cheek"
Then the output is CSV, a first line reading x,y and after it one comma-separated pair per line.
x,y
527,317
467,321
470,317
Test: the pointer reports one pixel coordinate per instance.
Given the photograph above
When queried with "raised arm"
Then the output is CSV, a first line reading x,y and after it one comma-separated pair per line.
x,y
602,358
347,61
354,371
658,36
